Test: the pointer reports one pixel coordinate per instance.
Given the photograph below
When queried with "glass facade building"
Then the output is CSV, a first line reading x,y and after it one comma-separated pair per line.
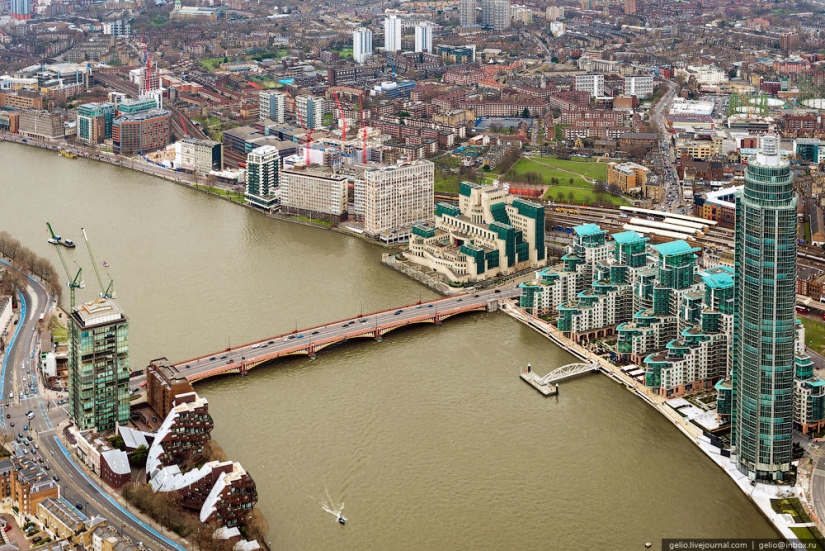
x,y
764,318
99,366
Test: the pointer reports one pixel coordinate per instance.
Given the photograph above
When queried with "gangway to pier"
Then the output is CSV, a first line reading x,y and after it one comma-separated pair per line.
x,y
566,372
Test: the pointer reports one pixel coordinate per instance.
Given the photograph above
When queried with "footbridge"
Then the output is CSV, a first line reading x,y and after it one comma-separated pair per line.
x,y
309,341
566,372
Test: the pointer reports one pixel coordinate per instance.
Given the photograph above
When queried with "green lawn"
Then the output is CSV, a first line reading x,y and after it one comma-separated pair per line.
x,y
446,182
549,168
59,332
233,195
814,334
810,536
210,64
582,196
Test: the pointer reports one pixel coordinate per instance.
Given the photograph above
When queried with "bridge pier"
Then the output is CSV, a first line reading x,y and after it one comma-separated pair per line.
x,y
311,352
377,335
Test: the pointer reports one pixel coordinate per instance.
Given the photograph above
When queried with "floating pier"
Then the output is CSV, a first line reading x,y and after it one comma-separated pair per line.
x,y
546,389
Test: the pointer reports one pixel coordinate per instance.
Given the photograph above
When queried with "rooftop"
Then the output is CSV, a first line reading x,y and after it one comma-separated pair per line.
x,y
719,277
588,229
629,236
675,247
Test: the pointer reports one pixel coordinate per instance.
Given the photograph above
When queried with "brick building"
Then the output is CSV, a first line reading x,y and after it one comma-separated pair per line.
x,y
163,383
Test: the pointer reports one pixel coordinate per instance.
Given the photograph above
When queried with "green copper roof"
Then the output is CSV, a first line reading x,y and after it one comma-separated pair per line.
x,y
720,277
588,229
675,247
629,236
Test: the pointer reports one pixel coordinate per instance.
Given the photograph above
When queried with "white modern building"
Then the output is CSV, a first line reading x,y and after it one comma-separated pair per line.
x,y
311,110
272,105
201,156
424,37
396,197
640,86
361,44
392,33
592,84
263,169
314,193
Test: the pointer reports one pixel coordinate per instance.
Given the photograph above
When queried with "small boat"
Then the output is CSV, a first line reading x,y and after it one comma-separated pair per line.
x,y
53,241
105,264
342,520
68,154
69,243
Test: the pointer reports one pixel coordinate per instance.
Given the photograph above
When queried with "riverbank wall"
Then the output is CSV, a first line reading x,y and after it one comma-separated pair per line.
x,y
180,178
759,494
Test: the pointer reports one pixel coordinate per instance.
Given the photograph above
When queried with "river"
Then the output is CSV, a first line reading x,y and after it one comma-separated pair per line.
x,y
429,438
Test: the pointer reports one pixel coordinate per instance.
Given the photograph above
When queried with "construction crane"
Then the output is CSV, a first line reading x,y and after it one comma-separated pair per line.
x,y
74,282
343,118
363,127
55,239
105,292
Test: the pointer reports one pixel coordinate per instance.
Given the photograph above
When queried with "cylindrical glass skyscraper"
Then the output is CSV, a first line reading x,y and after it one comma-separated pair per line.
x,y
764,317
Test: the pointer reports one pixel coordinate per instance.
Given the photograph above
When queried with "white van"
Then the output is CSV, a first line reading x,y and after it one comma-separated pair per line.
x,y
30,415
11,395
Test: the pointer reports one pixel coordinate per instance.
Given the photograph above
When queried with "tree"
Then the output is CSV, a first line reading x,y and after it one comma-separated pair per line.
x,y
116,442
571,181
525,113
139,456
560,196
570,196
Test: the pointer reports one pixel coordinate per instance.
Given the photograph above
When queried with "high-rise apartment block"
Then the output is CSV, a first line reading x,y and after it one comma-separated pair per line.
x,y
272,105
99,365
313,193
629,7
311,110
392,33
94,122
263,170
501,15
21,9
361,44
396,197
467,13
640,86
424,37
487,10
764,317
592,84
789,42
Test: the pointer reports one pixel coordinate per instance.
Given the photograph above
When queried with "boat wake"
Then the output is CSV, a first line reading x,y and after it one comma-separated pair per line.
x,y
332,507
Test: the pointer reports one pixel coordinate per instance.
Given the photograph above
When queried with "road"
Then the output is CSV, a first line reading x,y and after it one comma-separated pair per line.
x,y
672,192
335,331
74,486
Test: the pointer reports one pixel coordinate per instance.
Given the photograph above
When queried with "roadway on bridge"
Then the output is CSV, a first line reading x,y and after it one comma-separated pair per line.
x,y
364,326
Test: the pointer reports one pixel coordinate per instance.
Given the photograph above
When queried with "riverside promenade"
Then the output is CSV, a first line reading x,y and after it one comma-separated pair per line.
x,y
760,494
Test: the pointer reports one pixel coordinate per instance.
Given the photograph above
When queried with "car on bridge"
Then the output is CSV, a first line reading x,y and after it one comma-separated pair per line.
x,y
398,312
